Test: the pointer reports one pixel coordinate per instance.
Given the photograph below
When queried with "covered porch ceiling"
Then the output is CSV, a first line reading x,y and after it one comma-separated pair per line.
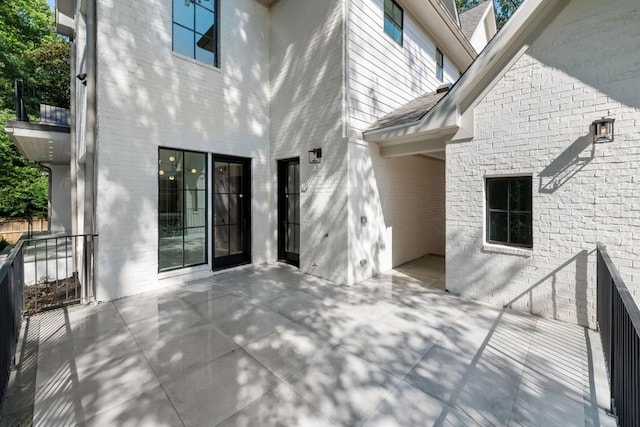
x,y
41,142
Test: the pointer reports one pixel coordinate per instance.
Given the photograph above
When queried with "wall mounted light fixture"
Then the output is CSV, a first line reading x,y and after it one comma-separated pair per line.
x,y
603,130
315,156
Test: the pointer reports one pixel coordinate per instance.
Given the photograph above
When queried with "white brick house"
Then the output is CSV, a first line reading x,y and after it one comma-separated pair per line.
x,y
192,124
525,109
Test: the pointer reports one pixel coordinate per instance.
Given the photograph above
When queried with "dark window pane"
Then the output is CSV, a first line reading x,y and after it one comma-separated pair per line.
x,y
221,244
205,56
235,239
204,20
498,227
194,246
388,7
195,202
234,209
520,225
397,34
221,209
183,40
235,178
221,180
388,26
521,194
195,170
170,252
397,15
183,13
208,4
498,193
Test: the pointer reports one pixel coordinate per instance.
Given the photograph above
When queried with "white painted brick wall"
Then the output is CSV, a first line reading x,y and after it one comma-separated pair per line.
x,y
536,121
150,97
307,112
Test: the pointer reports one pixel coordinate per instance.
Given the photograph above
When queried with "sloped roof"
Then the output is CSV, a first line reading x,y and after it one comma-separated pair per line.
x,y
410,112
469,19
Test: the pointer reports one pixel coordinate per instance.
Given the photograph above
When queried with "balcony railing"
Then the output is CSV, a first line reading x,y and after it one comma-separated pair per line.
x,y
619,324
41,105
11,307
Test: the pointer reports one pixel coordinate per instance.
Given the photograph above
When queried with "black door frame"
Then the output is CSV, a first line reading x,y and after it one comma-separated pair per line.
x,y
283,255
220,263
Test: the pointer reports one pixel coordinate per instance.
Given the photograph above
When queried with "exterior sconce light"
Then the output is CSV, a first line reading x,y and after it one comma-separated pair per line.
x,y
603,130
315,156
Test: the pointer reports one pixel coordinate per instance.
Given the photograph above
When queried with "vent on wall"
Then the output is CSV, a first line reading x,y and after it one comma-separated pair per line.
x,y
444,88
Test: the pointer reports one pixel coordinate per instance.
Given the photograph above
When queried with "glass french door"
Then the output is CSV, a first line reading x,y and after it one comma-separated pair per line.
x,y
232,211
289,211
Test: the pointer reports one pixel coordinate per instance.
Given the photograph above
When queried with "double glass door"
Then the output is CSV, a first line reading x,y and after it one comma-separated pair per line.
x,y
289,211
232,211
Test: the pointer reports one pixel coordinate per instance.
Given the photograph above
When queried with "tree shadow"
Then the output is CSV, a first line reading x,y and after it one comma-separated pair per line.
x,y
567,165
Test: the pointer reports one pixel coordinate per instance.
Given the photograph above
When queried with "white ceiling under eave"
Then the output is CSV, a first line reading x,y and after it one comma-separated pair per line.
x,y
65,17
47,144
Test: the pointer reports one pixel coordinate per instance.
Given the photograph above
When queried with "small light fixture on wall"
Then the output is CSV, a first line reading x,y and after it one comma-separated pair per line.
x,y
603,130
315,156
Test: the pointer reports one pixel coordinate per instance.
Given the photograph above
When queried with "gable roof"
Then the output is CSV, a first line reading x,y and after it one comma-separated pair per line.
x,y
470,18
451,114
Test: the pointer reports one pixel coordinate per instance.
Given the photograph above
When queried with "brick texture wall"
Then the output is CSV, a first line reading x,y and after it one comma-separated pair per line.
x,y
536,121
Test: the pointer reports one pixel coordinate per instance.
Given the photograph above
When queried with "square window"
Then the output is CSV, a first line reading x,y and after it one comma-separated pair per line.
x,y
509,211
195,29
439,65
393,20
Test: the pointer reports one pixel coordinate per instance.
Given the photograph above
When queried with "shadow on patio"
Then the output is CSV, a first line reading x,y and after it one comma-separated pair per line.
x,y
268,345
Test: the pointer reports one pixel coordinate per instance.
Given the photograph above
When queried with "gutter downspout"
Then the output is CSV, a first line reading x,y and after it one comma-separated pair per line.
x,y
73,163
87,294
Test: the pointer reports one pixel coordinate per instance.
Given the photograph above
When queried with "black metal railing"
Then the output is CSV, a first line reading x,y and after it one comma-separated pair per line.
x,y
11,308
41,105
619,325
52,274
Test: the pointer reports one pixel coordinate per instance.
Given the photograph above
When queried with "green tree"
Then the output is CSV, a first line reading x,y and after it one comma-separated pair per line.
x,y
29,50
504,8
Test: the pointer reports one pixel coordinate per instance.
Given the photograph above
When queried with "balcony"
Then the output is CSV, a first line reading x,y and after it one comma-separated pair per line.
x,y
266,344
41,130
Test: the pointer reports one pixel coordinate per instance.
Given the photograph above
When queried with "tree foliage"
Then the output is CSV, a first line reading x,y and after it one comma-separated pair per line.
x,y
29,50
504,8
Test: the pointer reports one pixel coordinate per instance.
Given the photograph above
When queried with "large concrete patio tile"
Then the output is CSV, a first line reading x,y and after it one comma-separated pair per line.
x,y
487,397
158,328
334,323
262,292
441,372
150,409
70,396
280,407
134,310
228,306
546,408
288,350
210,393
343,386
394,348
408,406
170,355
296,304
250,325
201,291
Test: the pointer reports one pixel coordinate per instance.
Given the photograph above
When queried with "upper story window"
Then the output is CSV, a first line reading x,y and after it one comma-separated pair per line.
x,y
439,65
195,29
393,20
509,211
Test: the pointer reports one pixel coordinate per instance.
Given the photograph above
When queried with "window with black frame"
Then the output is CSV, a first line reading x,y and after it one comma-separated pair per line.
x,y
393,20
439,65
182,209
509,211
195,29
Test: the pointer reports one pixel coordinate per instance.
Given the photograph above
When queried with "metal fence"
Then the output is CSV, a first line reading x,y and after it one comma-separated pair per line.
x,y
619,325
52,274
11,308
41,104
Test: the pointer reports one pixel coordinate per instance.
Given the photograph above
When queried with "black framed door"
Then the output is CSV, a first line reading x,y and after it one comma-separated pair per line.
x,y
289,211
231,211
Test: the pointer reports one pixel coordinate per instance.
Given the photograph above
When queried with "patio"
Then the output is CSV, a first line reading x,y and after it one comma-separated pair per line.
x,y
267,345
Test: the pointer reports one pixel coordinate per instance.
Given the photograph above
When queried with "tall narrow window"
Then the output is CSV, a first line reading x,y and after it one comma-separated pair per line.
x,y
393,20
509,209
439,65
195,29
182,214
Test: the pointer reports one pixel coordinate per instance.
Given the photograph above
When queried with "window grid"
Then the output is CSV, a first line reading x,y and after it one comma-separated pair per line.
x,y
509,212
393,20
199,36
439,65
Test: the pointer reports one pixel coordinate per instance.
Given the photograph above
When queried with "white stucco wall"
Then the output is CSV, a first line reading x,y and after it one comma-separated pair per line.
x,y
536,120
150,97
60,201
307,108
